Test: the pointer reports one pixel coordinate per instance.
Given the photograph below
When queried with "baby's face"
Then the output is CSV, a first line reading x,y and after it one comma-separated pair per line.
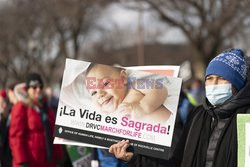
x,y
111,93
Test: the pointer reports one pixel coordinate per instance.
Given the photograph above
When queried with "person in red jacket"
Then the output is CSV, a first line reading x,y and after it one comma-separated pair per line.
x,y
31,128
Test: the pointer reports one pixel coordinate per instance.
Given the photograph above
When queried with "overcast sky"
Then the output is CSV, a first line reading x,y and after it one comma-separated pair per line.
x,y
129,18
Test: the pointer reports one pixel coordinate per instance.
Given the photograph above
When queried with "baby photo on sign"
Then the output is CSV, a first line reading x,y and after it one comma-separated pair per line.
x,y
117,91
114,91
101,104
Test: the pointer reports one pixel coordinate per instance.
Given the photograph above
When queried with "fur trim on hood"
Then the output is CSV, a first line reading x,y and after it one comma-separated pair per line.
x,y
21,93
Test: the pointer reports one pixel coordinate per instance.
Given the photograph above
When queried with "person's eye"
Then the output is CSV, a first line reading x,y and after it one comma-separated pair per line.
x,y
208,78
106,83
93,93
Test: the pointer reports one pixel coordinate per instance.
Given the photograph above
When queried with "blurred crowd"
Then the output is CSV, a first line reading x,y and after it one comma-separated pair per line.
x,y
27,120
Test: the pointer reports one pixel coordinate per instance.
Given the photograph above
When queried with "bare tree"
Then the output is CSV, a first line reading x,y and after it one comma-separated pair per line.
x,y
208,25
39,35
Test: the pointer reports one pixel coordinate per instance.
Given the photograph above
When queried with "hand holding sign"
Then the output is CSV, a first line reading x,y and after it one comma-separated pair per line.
x,y
120,150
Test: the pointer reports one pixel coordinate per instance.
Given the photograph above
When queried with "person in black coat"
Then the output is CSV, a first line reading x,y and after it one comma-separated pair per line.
x,y
210,135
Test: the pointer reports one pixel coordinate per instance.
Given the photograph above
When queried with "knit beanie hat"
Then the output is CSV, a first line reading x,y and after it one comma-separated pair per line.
x,y
33,79
231,66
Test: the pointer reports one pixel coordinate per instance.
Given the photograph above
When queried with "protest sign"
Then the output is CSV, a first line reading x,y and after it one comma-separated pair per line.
x,y
243,134
100,105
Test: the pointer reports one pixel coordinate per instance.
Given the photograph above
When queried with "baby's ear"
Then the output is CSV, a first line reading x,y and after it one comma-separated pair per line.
x,y
123,76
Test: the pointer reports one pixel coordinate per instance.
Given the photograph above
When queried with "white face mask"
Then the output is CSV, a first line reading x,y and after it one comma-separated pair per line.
x,y
218,94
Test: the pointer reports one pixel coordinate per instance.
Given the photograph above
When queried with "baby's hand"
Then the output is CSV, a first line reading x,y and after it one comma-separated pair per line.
x,y
124,109
131,110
